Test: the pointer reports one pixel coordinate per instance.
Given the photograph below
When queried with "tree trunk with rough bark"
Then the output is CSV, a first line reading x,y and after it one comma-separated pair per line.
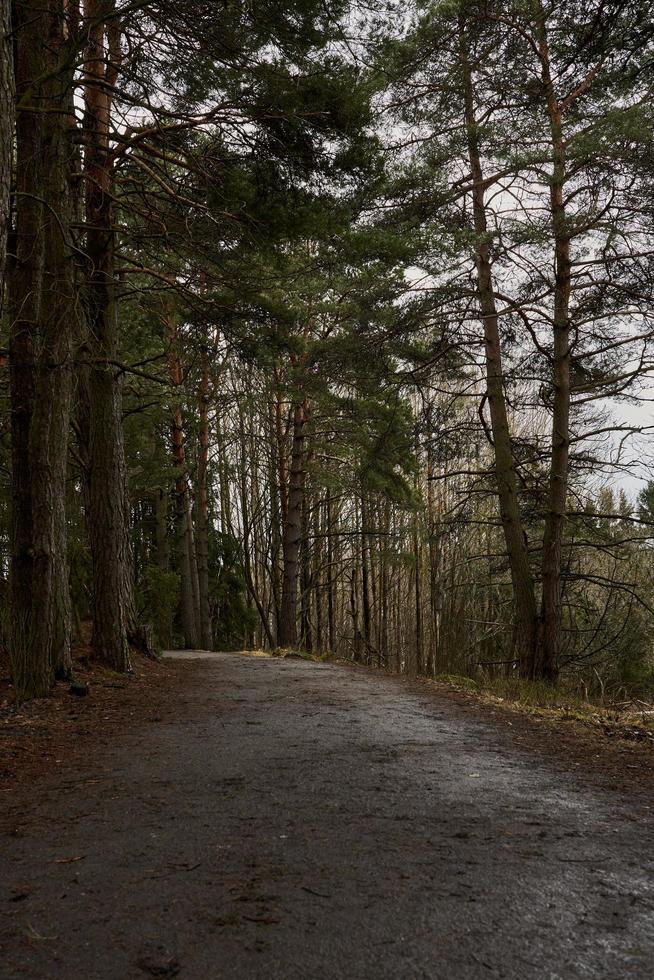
x,y
42,297
7,108
331,530
550,646
109,516
185,538
365,582
293,531
524,594
202,530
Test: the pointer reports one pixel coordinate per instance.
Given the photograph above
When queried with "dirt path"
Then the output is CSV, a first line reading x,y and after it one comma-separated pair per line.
x,y
296,821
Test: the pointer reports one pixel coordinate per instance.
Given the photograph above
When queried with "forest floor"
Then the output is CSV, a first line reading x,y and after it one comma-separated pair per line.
x,y
276,819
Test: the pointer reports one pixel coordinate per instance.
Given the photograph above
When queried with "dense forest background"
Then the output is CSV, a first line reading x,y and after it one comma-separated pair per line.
x,y
329,327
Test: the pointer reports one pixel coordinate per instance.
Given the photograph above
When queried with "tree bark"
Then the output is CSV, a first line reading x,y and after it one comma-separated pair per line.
x,y
293,531
109,517
185,539
365,583
526,614
331,530
306,581
41,334
185,543
202,530
550,648
162,551
7,111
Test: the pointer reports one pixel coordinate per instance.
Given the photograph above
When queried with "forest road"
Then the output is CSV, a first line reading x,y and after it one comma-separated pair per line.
x,y
296,821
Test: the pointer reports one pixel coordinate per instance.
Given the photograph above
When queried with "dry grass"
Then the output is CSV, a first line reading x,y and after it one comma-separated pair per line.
x,y
632,719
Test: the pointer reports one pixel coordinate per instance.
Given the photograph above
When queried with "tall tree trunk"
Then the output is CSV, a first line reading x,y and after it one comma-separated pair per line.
x,y
31,666
316,574
184,532
293,531
417,597
42,301
276,515
526,614
550,650
253,598
202,531
109,514
435,600
331,531
365,582
383,584
162,551
306,583
7,109
184,536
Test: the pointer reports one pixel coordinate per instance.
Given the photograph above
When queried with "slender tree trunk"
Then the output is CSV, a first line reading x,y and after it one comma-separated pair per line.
x,y
202,535
276,521
383,585
354,612
184,535
435,601
316,574
185,540
558,478
330,526
253,598
114,619
306,580
365,583
526,615
417,596
7,108
293,531
162,551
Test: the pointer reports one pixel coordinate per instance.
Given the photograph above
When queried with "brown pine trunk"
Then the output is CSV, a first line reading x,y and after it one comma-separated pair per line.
x,y
276,522
331,531
383,584
31,666
526,615
417,598
435,599
42,301
7,107
292,532
550,650
185,543
306,583
249,568
109,514
202,531
162,555
184,532
365,583
354,612
316,575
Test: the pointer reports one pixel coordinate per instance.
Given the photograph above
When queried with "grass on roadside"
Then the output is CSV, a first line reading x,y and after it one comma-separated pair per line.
x,y
632,719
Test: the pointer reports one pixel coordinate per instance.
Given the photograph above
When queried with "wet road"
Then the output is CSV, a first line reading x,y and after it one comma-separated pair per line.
x,y
298,821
